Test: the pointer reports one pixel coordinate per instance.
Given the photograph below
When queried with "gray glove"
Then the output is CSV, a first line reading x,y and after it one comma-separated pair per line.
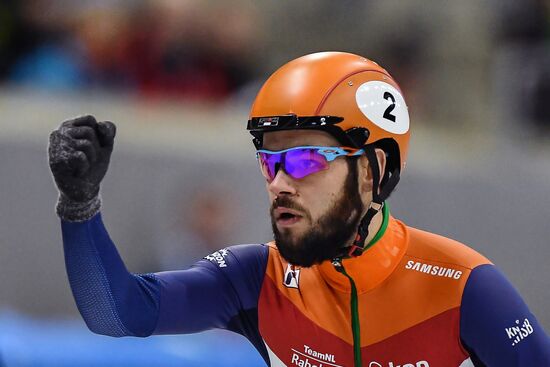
x,y
79,154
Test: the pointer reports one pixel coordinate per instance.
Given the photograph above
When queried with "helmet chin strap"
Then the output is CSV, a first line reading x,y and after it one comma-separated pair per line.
x,y
379,195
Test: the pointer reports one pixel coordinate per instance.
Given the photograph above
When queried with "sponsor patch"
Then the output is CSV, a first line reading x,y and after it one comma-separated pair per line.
x,y
312,358
218,258
519,332
435,270
268,121
391,364
292,277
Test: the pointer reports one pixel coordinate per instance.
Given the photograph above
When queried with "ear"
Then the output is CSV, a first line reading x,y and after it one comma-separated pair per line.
x,y
365,172
381,158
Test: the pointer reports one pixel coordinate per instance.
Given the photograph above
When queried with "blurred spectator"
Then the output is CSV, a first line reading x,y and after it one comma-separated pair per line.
x,y
194,49
69,51
19,33
524,23
523,61
188,49
202,225
541,94
7,26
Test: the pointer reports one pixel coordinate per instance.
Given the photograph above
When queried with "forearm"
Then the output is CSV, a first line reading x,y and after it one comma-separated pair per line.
x,y
111,300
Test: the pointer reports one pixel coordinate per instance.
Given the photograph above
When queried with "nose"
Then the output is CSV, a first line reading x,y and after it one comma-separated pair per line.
x,y
282,184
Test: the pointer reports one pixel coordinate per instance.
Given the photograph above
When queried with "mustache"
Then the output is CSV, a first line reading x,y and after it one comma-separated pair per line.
x,y
286,202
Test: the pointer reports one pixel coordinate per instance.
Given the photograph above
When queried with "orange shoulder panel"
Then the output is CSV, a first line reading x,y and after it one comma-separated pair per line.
x,y
428,281
430,246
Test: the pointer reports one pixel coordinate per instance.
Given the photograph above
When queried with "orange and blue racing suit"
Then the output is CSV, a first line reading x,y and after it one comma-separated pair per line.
x,y
413,299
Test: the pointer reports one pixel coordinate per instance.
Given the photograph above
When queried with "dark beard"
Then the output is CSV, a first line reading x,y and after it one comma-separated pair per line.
x,y
331,232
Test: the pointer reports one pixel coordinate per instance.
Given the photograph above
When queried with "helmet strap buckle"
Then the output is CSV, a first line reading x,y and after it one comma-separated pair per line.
x,y
375,206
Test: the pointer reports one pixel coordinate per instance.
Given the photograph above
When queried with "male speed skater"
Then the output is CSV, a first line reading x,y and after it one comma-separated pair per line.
x,y
343,283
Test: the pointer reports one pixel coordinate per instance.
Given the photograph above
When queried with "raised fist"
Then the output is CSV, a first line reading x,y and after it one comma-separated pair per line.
x,y
79,154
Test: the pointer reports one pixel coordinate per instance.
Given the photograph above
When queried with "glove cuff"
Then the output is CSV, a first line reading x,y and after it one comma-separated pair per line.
x,y
77,211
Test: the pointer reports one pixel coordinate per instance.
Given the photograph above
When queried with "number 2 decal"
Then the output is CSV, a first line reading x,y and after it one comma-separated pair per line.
x,y
387,112
383,105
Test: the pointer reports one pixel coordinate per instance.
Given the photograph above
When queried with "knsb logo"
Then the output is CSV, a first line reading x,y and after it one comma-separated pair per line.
x,y
518,333
218,257
390,364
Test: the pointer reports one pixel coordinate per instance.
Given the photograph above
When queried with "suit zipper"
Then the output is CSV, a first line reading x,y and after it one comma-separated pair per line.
x,y
355,327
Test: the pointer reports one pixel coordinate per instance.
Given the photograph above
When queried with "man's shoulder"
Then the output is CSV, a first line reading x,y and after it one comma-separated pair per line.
x,y
432,247
243,266
242,254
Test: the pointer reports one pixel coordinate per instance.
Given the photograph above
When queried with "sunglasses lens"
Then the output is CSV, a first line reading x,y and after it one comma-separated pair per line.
x,y
269,164
300,163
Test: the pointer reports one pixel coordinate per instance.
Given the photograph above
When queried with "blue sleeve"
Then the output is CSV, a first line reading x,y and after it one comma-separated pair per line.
x,y
496,325
218,292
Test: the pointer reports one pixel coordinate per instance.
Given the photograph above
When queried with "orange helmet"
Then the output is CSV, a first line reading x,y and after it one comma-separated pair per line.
x,y
349,96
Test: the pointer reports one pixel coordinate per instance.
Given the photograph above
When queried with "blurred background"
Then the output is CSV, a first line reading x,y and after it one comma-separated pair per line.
x,y
178,77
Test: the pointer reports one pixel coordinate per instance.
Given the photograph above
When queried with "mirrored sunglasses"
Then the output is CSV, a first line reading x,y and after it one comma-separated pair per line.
x,y
299,162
